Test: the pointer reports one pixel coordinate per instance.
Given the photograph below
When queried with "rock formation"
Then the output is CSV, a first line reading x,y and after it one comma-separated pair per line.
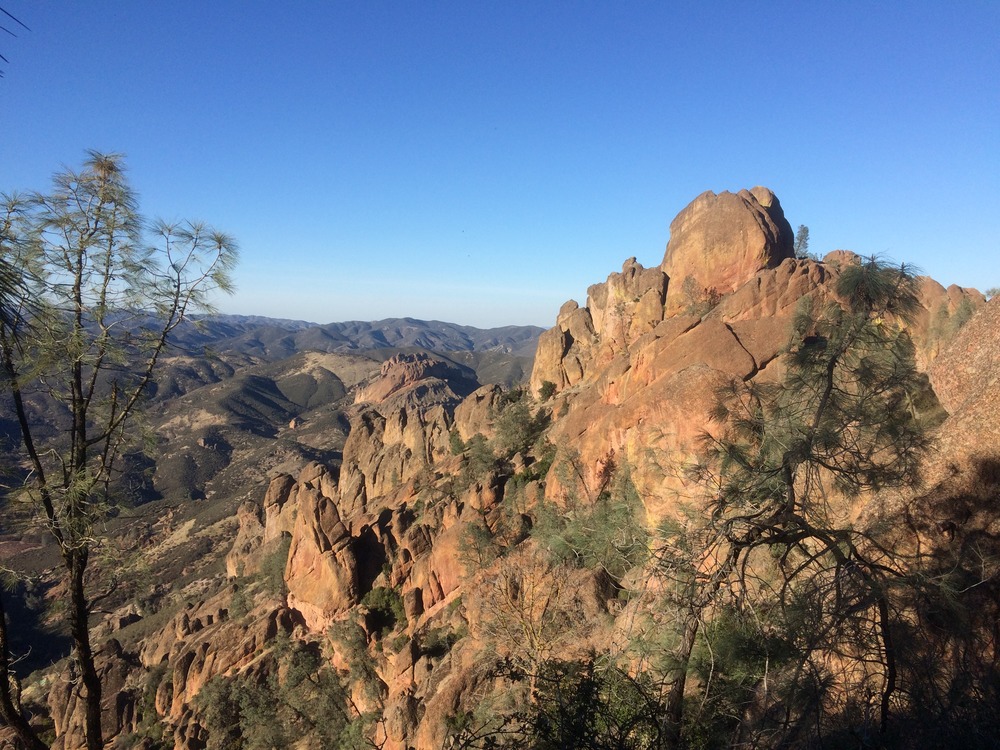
x,y
719,242
642,389
634,373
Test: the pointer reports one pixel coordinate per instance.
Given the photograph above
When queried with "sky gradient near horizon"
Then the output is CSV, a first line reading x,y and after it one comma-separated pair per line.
x,y
483,162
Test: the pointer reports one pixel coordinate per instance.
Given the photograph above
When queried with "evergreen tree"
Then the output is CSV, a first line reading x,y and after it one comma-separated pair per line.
x,y
802,242
843,420
96,298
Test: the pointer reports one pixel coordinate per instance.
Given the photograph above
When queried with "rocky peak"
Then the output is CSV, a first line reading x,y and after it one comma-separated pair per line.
x,y
402,372
719,242
649,350
635,370
619,311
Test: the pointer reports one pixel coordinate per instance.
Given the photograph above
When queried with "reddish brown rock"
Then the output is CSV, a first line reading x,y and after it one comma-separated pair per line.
x,y
966,375
243,558
475,414
619,311
402,372
278,512
322,571
638,368
719,242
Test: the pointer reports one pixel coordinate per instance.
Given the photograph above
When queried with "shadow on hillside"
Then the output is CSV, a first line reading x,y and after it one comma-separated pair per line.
x,y
948,632
33,642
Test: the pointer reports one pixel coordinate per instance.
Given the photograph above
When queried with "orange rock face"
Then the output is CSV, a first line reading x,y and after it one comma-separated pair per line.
x,y
719,242
637,377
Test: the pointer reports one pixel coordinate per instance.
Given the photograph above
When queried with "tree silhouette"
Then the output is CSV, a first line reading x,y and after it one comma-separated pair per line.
x,y
841,421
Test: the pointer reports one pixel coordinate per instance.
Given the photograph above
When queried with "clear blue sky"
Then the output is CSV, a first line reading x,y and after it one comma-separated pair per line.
x,y
482,162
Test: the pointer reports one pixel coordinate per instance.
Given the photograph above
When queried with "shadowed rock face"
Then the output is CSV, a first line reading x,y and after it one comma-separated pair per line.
x,y
721,241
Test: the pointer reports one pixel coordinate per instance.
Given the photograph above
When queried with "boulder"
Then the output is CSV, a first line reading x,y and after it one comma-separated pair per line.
x,y
719,242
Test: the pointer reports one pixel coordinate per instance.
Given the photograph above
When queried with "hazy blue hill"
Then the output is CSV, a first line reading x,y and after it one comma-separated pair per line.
x,y
276,339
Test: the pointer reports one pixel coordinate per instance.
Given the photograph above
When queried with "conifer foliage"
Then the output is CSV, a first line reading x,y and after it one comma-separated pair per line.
x,y
93,294
777,554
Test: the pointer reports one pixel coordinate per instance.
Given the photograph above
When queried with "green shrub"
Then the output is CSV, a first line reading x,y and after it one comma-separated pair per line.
x,y
480,459
700,301
385,610
963,312
398,643
478,546
517,429
350,638
455,442
272,567
241,602
149,732
297,697
547,390
581,705
609,534
436,642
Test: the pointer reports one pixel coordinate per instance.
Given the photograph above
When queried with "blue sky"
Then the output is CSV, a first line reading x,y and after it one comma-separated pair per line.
x,y
483,162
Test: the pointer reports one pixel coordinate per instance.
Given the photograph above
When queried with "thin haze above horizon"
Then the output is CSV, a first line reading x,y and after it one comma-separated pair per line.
x,y
481,163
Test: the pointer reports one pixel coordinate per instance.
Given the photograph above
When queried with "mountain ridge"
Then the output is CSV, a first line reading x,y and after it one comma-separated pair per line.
x,y
277,338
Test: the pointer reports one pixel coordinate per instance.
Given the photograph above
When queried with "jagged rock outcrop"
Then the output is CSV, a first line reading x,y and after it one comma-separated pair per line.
x,y
719,242
401,426
619,311
322,569
476,412
343,536
245,553
438,379
642,389
635,371
206,640
945,312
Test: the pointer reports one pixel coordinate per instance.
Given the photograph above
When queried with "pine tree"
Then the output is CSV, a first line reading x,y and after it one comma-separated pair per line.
x,y
843,420
802,243
97,299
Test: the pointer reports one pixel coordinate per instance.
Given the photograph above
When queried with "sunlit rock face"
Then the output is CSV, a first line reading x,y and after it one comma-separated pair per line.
x,y
719,242
585,339
635,370
635,373
966,379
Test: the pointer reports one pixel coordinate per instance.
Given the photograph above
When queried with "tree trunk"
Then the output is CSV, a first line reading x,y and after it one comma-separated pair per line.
x,y
80,629
675,698
890,663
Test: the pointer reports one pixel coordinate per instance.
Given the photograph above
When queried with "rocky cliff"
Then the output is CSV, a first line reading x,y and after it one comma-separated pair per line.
x,y
636,369
420,562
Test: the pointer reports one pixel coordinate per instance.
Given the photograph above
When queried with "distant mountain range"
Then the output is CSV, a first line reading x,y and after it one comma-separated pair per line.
x,y
273,338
